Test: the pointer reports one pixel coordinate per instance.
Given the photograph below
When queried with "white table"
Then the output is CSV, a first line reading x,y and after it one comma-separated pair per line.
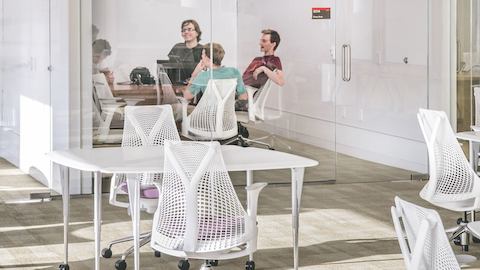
x,y
150,160
473,139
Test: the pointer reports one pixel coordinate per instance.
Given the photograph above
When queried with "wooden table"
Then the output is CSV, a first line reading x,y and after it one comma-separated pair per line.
x,y
152,93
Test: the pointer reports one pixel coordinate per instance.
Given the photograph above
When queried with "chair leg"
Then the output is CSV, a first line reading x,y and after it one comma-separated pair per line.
x,y
143,242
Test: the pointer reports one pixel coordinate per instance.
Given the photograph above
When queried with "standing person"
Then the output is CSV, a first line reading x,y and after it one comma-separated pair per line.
x,y
189,52
267,66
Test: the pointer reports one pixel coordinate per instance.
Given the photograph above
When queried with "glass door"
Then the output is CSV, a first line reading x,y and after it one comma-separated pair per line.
x,y
301,113
382,54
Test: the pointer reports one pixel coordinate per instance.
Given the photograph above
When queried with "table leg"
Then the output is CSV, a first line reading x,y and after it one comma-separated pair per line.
x,y
297,187
134,199
65,182
249,183
97,218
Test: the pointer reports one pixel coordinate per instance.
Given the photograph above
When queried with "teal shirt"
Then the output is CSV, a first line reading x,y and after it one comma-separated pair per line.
x,y
199,84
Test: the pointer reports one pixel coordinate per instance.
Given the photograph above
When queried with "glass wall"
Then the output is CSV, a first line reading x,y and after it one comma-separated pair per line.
x,y
348,77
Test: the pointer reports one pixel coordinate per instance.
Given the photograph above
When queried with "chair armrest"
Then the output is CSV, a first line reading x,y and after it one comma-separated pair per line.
x,y
253,191
251,109
185,123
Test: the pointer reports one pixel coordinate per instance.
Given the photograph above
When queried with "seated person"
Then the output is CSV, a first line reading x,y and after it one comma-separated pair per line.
x,y
101,49
187,53
264,67
201,75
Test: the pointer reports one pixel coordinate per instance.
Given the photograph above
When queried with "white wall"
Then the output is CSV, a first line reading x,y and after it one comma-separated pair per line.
x,y
142,31
38,112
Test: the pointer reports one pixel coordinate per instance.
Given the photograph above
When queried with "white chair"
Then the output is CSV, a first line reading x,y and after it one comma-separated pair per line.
x,y
103,113
199,215
214,116
144,126
257,100
453,184
104,91
166,92
426,245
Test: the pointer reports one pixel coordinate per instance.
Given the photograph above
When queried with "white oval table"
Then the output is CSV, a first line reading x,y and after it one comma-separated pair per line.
x,y
150,160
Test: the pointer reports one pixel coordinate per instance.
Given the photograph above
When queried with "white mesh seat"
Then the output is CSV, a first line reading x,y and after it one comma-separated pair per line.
x,y
144,126
452,184
426,245
199,215
257,113
214,116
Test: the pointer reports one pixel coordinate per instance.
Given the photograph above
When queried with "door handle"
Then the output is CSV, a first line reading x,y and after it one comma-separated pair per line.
x,y
346,62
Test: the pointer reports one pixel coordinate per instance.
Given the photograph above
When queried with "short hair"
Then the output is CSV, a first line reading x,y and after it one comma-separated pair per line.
x,y
274,37
218,52
195,25
101,46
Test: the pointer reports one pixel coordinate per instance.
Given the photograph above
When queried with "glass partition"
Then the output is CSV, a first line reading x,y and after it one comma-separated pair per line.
x,y
347,98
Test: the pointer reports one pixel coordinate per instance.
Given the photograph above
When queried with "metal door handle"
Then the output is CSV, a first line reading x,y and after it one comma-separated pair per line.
x,y
346,62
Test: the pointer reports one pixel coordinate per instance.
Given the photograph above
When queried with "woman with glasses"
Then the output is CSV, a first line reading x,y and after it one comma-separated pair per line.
x,y
187,53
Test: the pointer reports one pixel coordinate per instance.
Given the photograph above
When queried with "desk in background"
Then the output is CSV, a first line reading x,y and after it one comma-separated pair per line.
x,y
152,93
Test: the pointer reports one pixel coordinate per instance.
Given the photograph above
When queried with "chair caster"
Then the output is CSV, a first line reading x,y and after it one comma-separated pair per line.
x,y
64,267
250,265
121,265
212,262
183,265
106,253
157,254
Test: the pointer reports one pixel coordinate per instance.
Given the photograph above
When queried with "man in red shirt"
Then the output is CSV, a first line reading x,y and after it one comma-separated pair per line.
x,y
267,66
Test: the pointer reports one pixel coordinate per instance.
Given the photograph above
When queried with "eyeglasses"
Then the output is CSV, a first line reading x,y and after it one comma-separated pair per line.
x,y
188,30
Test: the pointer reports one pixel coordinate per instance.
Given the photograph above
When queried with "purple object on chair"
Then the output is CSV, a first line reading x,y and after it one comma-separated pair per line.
x,y
146,192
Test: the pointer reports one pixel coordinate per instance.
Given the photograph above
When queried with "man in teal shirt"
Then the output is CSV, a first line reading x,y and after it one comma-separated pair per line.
x,y
202,74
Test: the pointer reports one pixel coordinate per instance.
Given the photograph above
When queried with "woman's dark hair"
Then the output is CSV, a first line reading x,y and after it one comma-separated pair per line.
x,y
274,37
101,46
195,25
218,52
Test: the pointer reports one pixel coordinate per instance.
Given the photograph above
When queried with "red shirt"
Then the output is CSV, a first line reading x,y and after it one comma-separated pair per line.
x,y
270,61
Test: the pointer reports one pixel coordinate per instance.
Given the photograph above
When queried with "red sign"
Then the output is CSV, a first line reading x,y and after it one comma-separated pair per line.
x,y
321,13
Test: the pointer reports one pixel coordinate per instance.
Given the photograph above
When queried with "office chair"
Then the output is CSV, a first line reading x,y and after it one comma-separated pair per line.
x,y
453,184
144,126
105,92
199,215
256,113
103,114
214,116
422,238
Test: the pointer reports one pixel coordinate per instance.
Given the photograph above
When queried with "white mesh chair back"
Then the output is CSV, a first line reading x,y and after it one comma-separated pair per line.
x,y
260,100
149,126
167,92
144,126
451,176
214,116
426,245
101,86
198,210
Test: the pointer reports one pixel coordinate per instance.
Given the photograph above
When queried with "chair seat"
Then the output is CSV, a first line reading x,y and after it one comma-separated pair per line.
x,y
146,192
458,206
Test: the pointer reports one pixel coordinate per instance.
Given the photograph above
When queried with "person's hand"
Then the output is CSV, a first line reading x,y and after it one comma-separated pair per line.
x,y
109,76
257,72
